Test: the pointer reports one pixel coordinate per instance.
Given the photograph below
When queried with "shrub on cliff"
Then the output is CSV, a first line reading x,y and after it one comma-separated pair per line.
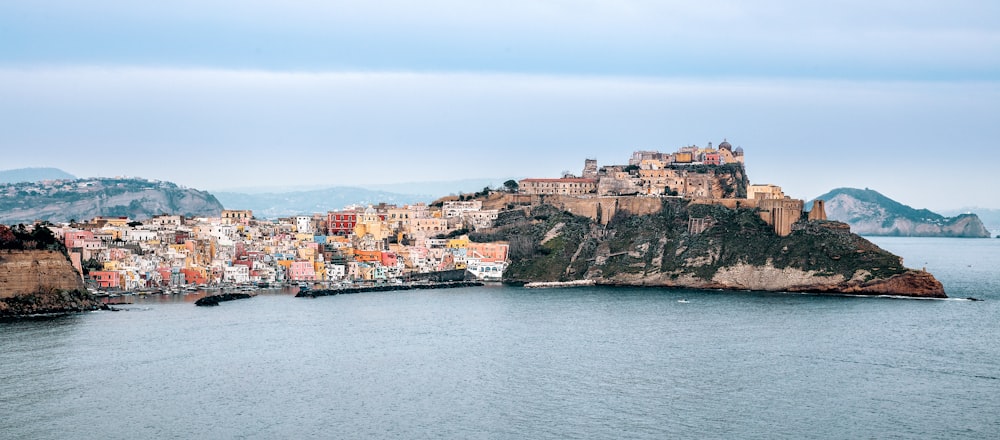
x,y
19,238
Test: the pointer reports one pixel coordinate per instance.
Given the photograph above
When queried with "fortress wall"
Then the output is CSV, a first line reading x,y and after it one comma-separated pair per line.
x,y
602,209
728,203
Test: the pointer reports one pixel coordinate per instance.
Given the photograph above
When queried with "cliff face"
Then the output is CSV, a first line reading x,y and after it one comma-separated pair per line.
x,y
871,213
88,198
40,282
700,246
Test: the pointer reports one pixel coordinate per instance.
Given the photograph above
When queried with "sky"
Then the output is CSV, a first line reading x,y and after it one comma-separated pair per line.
x,y
898,96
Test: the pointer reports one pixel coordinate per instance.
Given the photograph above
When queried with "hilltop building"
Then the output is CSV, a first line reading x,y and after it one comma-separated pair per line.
x,y
564,186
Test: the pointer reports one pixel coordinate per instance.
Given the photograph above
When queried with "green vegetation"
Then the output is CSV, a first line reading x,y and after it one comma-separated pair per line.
x,y
661,244
892,207
19,238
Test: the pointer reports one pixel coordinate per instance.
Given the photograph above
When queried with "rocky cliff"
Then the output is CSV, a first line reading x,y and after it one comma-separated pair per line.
x,y
88,198
700,246
36,282
871,213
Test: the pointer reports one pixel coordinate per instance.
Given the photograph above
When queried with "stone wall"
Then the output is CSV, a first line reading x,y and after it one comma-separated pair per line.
x,y
602,209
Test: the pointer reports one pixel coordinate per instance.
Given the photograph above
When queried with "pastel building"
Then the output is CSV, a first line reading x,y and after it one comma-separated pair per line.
x,y
106,279
457,208
302,271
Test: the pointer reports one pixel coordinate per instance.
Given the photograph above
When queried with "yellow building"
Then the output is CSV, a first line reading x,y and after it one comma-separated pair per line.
x,y
306,253
371,223
320,269
232,216
458,243
765,191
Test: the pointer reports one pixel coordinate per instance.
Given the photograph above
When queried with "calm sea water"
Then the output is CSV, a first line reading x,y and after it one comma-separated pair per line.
x,y
500,362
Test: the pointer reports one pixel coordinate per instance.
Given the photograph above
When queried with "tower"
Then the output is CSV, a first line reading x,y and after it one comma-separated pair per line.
x,y
818,211
590,169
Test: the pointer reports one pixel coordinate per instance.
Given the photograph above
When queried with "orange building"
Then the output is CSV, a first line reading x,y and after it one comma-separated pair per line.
x,y
367,256
106,279
488,252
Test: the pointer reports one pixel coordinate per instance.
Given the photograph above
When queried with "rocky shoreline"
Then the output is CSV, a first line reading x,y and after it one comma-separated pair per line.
x,y
214,300
914,285
41,283
51,303
552,247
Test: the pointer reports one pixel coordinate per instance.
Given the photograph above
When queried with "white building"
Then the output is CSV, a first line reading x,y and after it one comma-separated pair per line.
x,y
456,208
236,274
303,224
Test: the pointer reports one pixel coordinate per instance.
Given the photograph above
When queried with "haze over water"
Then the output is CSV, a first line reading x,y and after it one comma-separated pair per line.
x,y
498,362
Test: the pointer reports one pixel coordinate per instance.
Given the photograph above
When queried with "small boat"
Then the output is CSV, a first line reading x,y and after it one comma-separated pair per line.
x,y
683,301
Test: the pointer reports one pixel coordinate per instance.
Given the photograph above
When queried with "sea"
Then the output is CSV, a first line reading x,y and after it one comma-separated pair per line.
x,y
513,363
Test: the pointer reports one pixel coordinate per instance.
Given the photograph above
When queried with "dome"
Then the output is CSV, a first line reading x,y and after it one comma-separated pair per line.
x,y
739,150
725,145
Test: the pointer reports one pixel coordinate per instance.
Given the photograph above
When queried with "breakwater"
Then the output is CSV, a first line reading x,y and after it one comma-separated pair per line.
x,y
386,288
214,300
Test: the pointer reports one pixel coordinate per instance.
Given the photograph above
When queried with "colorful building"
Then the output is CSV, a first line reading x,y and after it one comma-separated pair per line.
x,y
341,222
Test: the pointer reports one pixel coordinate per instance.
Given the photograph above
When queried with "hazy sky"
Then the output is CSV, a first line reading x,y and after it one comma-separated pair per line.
x,y
899,96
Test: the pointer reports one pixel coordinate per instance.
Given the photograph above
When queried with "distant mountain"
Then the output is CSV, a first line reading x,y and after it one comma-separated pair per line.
x,y
428,189
33,175
83,199
442,188
990,217
871,213
282,204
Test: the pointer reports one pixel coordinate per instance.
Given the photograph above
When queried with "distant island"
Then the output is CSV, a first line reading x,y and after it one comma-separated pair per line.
x,y
868,212
33,175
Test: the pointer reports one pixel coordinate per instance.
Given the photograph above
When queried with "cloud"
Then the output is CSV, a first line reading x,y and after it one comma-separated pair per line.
x,y
215,128
845,39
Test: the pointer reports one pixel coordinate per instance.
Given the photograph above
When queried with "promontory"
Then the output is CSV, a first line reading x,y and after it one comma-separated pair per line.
x,y
688,219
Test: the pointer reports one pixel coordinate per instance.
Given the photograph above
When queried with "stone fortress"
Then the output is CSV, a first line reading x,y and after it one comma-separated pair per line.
x,y
701,175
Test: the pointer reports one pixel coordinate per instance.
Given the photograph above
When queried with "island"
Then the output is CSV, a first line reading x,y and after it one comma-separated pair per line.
x,y
868,212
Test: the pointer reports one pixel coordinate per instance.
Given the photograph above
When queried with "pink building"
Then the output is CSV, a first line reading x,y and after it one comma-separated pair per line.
x,y
301,271
712,159
389,259
75,239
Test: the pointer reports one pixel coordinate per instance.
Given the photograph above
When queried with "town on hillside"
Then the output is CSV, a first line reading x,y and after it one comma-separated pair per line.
x,y
393,244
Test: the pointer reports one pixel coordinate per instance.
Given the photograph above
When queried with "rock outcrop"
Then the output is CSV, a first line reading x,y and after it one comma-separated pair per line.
x,y
34,282
700,246
871,213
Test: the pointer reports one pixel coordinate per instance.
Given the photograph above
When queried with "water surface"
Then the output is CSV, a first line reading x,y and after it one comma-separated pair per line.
x,y
497,362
